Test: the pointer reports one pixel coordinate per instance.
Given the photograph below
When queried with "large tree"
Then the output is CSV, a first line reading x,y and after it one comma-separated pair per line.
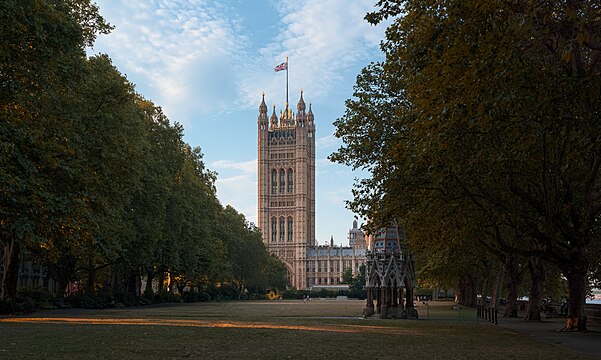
x,y
489,107
41,60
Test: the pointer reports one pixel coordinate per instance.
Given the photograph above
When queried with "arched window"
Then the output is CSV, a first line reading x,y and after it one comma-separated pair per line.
x,y
290,231
290,181
274,181
282,179
282,228
274,229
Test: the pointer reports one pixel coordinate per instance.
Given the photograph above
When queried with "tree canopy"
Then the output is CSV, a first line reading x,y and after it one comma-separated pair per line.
x,y
96,184
482,125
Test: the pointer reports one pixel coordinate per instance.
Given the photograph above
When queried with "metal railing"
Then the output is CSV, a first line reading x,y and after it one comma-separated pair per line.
x,y
487,313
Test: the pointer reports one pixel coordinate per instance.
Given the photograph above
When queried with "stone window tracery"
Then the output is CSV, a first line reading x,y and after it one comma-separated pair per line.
x,y
274,229
282,228
290,181
282,180
274,181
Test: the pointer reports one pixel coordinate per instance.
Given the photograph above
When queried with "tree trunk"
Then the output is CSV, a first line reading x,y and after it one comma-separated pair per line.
x,y
10,263
113,285
484,292
495,298
62,271
46,281
576,274
161,281
514,277
61,282
131,281
467,293
149,278
537,277
137,279
180,286
90,288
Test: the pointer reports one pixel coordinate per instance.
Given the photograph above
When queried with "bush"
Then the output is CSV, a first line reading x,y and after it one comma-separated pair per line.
x,y
28,300
37,294
87,302
17,307
6,307
142,300
193,296
165,297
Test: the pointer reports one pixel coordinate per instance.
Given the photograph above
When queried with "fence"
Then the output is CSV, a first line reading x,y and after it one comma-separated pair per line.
x,y
487,313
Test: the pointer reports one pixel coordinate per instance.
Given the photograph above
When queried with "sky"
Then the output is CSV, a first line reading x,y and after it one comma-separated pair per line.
x,y
206,63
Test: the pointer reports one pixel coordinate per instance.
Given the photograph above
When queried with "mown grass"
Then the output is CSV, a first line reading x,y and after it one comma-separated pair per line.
x,y
319,329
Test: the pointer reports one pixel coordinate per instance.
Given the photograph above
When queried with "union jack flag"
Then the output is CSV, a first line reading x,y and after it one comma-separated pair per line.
x,y
282,66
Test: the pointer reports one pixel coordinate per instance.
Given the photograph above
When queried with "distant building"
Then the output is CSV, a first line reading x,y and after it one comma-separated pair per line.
x,y
31,275
325,264
286,200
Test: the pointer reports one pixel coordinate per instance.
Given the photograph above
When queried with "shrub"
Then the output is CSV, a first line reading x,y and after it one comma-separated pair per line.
x,y
87,302
165,297
193,296
37,294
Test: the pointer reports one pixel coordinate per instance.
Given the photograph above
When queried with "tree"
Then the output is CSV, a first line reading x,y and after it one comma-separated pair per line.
x,y
249,263
41,59
357,285
486,107
347,276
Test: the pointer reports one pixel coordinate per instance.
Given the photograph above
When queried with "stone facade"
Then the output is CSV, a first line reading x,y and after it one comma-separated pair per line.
x,y
286,200
326,263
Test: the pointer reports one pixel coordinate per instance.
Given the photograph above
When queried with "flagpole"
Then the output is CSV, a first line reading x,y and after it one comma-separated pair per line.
x,y
287,82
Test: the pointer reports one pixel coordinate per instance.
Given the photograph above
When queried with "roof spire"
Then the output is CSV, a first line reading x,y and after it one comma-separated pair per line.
x,y
274,118
301,104
263,106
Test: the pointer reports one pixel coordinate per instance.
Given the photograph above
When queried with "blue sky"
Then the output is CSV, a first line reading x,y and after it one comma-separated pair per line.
x,y
208,62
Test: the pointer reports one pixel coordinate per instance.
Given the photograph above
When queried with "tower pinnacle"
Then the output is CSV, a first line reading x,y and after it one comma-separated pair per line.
x,y
301,104
263,106
274,118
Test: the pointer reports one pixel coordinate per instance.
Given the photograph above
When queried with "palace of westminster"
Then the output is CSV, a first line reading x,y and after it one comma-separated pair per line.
x,y
286,201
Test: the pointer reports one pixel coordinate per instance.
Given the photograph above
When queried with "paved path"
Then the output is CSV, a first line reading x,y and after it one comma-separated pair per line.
x,y
588,342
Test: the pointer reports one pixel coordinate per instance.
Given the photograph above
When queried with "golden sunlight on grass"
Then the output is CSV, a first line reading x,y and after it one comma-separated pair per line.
x,y
336,328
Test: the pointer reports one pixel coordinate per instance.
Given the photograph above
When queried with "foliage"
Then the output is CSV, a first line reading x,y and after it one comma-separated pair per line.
x,y
357,284
37,294
97,185
481,134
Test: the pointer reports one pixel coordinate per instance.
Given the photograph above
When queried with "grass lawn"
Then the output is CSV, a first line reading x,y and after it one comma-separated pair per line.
x,y
319,329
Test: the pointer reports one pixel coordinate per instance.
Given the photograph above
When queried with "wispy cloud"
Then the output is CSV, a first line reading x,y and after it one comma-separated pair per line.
x,y
196,57
239,191
339,196
328,142
322,39
244,166
182,51
237,185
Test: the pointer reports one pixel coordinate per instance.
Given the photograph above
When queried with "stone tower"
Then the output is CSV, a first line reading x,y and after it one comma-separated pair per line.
x,y
286,193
